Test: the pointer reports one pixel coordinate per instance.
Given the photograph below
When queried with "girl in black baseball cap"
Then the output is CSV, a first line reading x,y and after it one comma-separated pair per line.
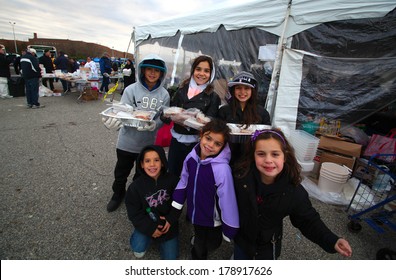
x,y
243,107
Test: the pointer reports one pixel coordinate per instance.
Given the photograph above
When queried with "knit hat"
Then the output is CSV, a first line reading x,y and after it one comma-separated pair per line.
x,y
243,78
153,63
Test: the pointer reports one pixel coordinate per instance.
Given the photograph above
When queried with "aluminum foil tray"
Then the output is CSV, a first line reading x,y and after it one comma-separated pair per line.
x,y
128,119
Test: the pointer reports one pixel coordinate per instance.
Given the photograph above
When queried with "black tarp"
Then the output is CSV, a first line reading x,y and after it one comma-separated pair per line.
x,y
355,77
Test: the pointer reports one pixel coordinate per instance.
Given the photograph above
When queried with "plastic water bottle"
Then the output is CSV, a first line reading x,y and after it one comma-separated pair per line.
x,y
151,214
160,222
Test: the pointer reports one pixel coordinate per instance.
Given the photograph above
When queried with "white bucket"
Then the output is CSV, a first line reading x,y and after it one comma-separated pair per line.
x,y
332,177
335,179
329,185
335,168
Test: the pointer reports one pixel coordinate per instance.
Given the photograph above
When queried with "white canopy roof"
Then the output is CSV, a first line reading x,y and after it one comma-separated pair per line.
x,y
268,15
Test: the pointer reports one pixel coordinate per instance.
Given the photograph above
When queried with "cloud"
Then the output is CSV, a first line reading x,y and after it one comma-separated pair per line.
x,y
106,23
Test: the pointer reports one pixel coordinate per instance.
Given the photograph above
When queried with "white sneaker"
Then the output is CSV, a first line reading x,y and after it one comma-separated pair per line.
x,y
6,96
139,255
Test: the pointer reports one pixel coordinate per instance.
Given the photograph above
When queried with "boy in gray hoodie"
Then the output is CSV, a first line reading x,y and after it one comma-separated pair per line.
x,y
147,93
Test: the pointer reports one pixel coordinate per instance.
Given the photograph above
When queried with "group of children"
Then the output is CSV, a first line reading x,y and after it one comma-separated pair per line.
x,y
239,193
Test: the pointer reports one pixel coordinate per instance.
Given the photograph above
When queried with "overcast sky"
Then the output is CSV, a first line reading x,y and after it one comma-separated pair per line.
x,y
101,22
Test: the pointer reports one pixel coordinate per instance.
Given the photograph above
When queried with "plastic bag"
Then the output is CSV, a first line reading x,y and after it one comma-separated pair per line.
x,y
326,197
380,144
356,134
44,91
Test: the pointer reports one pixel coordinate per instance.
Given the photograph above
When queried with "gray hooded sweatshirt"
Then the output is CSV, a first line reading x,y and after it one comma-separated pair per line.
x,y
138,96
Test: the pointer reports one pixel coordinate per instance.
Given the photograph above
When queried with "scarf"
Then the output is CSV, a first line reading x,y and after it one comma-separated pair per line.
x,y
195,89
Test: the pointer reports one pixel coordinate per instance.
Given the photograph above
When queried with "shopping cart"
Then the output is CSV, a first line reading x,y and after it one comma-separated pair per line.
x,y
374,197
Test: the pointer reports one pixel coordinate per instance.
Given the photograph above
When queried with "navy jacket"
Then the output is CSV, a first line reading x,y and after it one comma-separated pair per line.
x,y
61,63
30,67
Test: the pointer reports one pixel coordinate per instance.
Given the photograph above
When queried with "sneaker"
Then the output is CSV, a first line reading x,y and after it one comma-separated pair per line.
x,y
38,106
6,96
29,106
139,255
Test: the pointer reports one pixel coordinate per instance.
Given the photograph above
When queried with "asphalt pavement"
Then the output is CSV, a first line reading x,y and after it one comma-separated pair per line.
x,y
56,174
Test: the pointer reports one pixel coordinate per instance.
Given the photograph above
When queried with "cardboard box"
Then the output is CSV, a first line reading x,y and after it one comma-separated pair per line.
x,y
90,94
339,146
337,150
326,156
337,158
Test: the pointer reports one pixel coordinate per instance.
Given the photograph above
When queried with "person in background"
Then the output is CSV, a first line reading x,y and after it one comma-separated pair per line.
x,y
129,74
93,72
46,61
268,189
5,74
73,65
114,66
147,94
206,184
31,73
105,69
151,194
62,63
17,63
243,108
197,91
92,66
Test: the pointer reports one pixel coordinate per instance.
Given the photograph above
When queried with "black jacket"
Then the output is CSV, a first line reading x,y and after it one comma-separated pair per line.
x,y
262,209
129,79
225,113
207,102
47,62
4,67
145,192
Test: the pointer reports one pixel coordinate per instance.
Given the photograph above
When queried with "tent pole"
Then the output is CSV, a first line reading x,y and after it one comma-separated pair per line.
x,y
277,65
130,40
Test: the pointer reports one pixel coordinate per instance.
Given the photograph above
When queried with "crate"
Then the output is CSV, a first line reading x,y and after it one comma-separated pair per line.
x,y
90,94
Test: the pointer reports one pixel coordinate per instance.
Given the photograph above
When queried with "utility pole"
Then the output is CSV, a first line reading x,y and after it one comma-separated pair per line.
x,y
13,32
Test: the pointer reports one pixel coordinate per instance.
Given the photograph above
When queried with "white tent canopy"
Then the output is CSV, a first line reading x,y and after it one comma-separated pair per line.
x,y
268,15
240,30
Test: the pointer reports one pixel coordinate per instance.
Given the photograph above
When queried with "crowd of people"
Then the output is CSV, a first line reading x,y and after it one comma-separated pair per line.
x,y
232,191
29,62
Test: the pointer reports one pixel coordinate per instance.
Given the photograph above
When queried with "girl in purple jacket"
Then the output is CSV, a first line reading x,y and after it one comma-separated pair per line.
x,y
206,183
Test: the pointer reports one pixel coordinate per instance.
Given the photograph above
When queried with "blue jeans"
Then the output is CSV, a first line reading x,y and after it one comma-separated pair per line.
x,y
169,249
239,254
65,84
32,91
